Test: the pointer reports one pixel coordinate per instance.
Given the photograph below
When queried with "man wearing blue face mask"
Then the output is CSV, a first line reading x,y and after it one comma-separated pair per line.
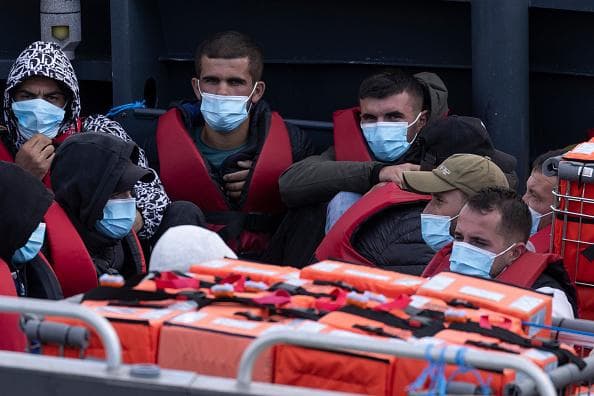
x,y
23,203
539,198
490,242
97,198
226,150
42,107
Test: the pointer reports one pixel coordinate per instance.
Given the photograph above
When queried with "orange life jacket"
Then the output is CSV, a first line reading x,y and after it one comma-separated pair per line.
x,y
267,273
185,175
524,304
337,243
388,283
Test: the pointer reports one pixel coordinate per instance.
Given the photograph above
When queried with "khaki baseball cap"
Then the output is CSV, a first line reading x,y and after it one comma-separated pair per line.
x,y
468,173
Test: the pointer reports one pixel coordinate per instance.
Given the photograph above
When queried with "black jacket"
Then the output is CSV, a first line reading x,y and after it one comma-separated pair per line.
x,y
84,175
392,240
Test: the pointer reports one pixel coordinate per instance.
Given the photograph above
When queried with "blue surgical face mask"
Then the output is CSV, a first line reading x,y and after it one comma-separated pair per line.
x,y
32,247
118,218
467,259
387,140
224,113
536,220
435,230
37,116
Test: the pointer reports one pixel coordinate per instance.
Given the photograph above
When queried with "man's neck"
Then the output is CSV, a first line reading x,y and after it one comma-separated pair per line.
x,y
226,141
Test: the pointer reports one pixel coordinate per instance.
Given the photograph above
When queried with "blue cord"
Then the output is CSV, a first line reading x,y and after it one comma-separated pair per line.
x,y
118,109
560,329
463,367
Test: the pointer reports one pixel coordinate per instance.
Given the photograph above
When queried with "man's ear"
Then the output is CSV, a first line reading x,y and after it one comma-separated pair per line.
x,y
196,87
518,250
423,118
258,92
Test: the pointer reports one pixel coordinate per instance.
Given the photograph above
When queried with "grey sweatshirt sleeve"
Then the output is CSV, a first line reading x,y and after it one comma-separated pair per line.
x,y
151,199
318,178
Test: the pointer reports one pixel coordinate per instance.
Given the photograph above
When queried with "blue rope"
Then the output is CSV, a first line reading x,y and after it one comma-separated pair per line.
x,y
559,329
118,109
463,368
435,372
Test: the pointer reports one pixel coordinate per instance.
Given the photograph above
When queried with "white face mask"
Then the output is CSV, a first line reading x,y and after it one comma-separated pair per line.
x,y
224,113
388,140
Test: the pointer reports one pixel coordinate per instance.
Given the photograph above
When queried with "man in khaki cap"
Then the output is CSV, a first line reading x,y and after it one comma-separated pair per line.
x,y
451,184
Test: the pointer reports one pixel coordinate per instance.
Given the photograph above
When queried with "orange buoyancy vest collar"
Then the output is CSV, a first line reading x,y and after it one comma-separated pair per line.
x,y
185,174
523,272
349,142
337,243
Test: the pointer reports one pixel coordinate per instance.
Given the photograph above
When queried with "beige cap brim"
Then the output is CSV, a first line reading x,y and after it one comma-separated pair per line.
x,y
425,182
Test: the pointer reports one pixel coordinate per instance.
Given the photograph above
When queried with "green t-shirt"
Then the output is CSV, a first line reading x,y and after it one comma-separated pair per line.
x,y
214,156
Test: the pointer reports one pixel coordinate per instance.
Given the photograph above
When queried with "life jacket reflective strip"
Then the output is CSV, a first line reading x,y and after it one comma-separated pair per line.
x,y
12,338
69,257
349,143
523,272
388,283
510,300
267,273
542,240
337,243
185,174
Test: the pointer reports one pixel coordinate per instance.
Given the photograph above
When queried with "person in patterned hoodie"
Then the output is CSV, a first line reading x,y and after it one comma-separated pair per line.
x,y
42,108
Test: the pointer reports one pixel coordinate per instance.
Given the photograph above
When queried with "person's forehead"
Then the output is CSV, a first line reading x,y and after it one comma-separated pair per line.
x,y
39,84
225,68
539,181
401,102
473,223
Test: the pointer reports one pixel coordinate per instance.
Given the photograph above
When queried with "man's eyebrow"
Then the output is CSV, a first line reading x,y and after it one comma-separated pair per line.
x,y
395,114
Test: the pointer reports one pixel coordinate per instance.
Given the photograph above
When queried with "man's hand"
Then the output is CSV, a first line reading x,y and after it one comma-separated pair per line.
x,y
36,155
235,181
138,222
394,173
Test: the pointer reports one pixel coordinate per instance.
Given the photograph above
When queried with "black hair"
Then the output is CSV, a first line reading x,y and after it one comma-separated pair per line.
x,y
392,82
231,45
540,160
515,217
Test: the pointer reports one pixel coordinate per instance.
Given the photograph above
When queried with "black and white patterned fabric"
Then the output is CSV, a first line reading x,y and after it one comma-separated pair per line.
x,y
47,60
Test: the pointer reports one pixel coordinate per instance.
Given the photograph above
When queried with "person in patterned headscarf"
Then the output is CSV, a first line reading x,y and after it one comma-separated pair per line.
x,y
42,108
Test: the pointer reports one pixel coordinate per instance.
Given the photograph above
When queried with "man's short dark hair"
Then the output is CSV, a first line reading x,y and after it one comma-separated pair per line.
x,y
392,82
515,216
537,164
231,45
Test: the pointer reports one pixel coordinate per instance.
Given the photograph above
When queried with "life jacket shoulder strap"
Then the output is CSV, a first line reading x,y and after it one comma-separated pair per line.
x,y
183,170
524,271
348,138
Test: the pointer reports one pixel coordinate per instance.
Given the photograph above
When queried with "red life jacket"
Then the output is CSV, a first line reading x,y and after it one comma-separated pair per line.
x,y
523,272
349,143
542,240
70,258
186,176
12,338
4,153
337,243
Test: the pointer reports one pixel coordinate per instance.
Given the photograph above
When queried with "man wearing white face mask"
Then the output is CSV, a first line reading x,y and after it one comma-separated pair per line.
x,y
539,198
490,242
226,150
42,107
